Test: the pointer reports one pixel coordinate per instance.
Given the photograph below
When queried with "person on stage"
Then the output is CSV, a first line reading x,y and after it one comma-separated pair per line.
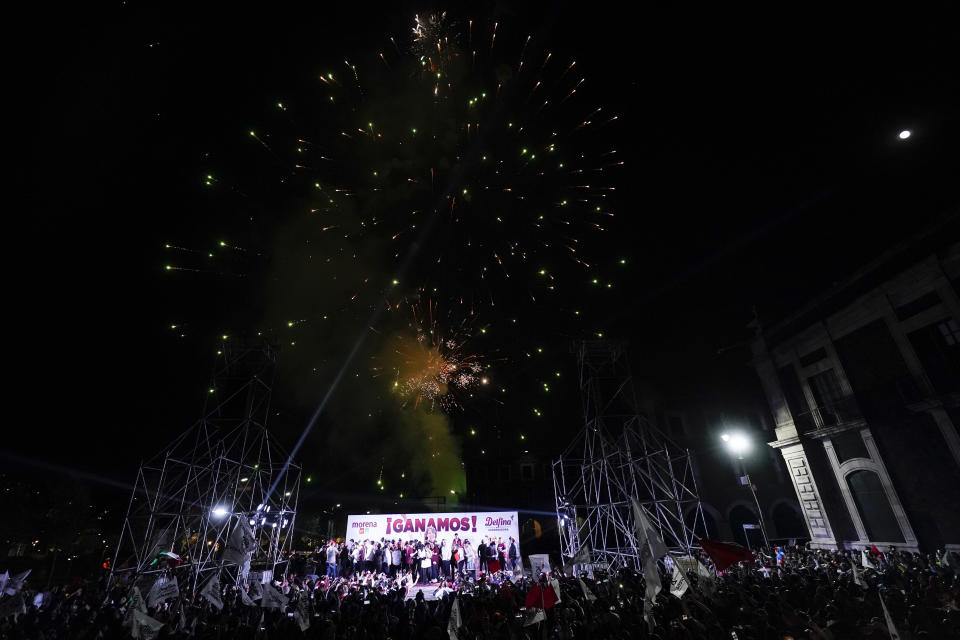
x,y
426,560
332,560
483,555
514,555
471,557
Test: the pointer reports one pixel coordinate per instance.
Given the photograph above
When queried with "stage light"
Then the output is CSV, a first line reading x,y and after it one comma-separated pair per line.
x,y
253,522
244,479
906,133
285,522
259,507
220,512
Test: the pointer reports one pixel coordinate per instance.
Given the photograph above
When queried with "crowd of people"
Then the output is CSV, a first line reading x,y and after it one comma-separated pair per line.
x,y
793,593
429,559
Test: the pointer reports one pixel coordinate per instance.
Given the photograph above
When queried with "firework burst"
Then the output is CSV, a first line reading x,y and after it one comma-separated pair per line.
x,y
470,152
432,368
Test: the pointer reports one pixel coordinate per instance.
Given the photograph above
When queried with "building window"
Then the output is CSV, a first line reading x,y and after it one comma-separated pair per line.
x,y
526,471
825,387
950,331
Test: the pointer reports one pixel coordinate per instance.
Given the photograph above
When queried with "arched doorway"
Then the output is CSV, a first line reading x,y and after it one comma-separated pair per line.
x,y
788,522
739,516
874,507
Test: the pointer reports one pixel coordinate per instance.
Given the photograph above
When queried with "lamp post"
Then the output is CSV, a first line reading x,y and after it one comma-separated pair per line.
x,y
738,444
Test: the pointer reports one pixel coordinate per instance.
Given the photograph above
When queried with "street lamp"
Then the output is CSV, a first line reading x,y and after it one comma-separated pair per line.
x,y
739,443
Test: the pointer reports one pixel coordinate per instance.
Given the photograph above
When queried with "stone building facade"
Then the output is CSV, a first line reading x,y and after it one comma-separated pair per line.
x,y
863,384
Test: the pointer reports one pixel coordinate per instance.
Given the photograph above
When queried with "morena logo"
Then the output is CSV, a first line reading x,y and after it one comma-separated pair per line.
x,y
361,525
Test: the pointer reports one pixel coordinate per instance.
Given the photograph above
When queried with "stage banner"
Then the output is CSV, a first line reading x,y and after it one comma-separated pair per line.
x,y
472,526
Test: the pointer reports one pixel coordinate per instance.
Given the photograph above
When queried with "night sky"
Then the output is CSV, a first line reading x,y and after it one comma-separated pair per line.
x,y
761,163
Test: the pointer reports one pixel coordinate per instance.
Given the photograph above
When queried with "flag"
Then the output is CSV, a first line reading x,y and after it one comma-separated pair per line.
x,y
707,579
534,616
245,598
586,592
647,536
556,587
652,577
892,630
302,613
241,544
273,599
725,554
256,590
144,626
582,556
541,597
679,584
650,547
135,602
211,591
14,584
163,589
539,563
857,575
866,561
3,581
456,621
948,560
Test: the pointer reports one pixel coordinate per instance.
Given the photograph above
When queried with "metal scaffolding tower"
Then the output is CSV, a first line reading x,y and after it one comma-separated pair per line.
x,y
620,456
223,474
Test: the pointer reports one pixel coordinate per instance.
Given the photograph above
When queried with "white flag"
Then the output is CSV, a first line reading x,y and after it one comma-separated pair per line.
x,y
4,578
705,578
144,626
163,589
302,612
273,599
857,575
948,560
456,621
136,600
256,590
556,587
866,561
14,584
211,591
892,630
241,544
652,577
534,616
586,592
245,598
679,584
647,536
